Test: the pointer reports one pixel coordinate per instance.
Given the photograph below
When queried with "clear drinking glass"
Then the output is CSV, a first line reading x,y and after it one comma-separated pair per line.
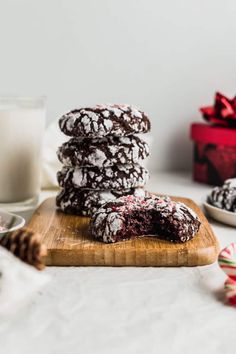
x,y
22,124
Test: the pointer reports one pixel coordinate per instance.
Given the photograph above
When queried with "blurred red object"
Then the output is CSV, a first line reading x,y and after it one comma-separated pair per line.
x,y
214,153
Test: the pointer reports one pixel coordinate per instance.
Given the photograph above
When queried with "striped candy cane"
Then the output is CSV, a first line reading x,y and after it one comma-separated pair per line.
x,y
227,262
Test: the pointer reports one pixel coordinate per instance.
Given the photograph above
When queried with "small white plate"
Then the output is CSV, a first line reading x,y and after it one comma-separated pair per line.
x,y
10,222
224,216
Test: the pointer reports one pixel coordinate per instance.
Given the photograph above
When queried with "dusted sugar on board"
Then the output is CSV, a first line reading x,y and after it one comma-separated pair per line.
x,y
103,152
87,201
117,177
105,119
131,217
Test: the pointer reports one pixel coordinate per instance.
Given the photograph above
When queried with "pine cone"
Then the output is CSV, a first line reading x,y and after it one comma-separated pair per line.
x,y
26,245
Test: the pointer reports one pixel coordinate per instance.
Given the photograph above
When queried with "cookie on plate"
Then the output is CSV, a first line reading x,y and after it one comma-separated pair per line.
x,y
86,202
103,120
117,177
224,197
103,152
130,217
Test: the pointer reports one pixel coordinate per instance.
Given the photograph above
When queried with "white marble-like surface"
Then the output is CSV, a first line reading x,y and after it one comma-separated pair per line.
x,y
129,310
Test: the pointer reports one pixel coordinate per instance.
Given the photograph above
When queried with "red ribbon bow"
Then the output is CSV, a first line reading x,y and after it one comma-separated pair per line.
x,y
223,112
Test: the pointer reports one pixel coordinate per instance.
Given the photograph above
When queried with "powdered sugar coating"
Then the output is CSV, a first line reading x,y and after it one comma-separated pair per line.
x,y
172,220
231,182
224,197
103,152
103,120
86,202
117,177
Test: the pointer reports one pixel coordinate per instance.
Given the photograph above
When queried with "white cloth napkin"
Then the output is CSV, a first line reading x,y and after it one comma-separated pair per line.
x,y
19,283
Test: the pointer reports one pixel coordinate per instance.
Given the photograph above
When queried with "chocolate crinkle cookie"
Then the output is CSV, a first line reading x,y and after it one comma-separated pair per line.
x,y
117,177
103,152
86,202
131,217
224,197
103,120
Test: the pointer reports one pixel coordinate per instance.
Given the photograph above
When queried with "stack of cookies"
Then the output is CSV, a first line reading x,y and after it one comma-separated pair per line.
x,y
103,159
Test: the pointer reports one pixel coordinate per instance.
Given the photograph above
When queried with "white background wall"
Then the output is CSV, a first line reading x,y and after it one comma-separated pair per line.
x,y
166,56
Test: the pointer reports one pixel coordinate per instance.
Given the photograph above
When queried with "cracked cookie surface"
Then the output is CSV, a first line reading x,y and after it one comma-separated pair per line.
x,y
103,152
117,177
87,201
130,217
224,197
103,120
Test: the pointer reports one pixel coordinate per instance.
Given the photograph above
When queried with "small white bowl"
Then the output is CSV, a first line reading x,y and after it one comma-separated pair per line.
x,y
224,216
10,222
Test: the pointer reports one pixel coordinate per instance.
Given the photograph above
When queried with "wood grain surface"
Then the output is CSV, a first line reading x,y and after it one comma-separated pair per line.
x,y
69,243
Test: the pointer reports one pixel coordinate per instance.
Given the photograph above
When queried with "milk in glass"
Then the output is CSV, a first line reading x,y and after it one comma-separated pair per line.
x,y
22,122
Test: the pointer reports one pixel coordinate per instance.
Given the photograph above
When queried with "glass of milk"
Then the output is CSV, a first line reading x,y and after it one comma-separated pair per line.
x,y
22,123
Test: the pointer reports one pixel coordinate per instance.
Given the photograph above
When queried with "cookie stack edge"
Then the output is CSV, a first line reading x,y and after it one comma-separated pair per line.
x,y
102,160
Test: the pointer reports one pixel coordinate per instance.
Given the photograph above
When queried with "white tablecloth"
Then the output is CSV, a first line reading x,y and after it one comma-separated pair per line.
x,y
129,310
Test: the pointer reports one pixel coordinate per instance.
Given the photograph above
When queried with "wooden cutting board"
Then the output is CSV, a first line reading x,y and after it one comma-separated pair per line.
x,y
69,243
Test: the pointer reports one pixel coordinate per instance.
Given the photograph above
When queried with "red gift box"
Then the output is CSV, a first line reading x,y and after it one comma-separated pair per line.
x,y
214,153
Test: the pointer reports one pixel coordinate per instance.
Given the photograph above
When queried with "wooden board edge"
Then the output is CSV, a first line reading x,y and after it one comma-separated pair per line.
x,y
206,256
134,258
